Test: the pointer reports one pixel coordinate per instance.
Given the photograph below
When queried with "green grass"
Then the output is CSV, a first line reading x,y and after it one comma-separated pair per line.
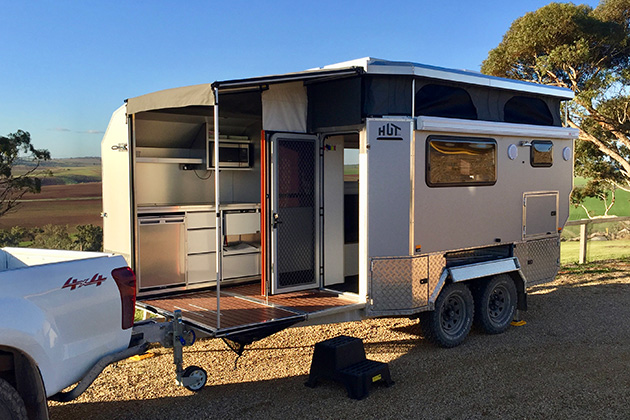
x,y
596,206
597,250
139,315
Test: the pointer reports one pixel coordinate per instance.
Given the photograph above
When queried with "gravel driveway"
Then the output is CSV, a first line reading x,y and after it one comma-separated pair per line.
x,y
571,361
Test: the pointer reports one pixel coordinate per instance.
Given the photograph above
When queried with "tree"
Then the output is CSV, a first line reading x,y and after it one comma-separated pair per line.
x,y
14,148
53,237
596,188
586,50
89,238
13,236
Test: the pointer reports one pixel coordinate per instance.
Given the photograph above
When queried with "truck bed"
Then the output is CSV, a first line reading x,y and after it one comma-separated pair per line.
x,y
243,308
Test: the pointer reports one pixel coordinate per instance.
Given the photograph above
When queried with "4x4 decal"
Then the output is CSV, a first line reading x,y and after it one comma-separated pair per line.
x,y
72,283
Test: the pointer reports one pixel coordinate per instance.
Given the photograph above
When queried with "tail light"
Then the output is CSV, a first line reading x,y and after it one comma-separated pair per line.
x,y
126,281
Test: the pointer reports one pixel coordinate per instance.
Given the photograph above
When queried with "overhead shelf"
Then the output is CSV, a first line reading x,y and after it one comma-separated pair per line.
x,y
193,161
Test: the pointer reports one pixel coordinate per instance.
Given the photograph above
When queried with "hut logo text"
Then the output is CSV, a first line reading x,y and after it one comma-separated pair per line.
x,y
389,131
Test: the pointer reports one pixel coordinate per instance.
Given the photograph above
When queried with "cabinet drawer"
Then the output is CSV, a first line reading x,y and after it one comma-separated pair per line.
x,y
201,219
201,240
242,223
241,265
201,267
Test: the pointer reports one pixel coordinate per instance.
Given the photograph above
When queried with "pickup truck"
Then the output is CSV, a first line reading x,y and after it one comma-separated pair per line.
x,y
64,316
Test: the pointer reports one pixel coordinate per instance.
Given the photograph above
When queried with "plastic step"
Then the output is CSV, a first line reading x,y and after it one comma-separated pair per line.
x,y
342,359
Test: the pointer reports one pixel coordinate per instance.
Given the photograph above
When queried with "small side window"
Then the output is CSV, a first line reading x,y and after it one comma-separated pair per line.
x,y
541,155
457,161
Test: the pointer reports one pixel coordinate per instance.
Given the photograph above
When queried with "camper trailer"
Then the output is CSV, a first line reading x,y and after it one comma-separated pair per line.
x,y
366,188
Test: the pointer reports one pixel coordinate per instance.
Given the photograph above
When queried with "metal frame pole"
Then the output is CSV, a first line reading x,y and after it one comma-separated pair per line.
x,y
217,209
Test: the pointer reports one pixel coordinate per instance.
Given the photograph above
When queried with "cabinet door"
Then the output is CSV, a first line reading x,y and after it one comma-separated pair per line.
x,y
540,215
202,268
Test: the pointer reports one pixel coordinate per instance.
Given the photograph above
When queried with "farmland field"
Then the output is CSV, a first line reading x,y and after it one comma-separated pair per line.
x,y
77,204
67,171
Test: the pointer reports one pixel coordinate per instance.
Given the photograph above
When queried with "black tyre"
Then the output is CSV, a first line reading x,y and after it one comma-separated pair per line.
x,y
450,322
495,303
11,404
198,374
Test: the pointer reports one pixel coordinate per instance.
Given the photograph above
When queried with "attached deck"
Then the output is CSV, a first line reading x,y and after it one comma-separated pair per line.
x,y
242,308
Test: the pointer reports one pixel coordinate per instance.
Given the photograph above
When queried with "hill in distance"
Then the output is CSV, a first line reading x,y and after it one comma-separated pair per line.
x,y
65,171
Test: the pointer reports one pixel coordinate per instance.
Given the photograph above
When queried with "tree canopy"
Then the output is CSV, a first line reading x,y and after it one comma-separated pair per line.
x,y
16,147
586,50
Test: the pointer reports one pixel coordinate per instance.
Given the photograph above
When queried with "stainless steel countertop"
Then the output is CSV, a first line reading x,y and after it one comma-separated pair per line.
x,y
169,208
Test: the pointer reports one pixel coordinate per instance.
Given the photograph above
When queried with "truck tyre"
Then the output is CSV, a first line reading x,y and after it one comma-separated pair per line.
x,y
495,303
450,322
11,404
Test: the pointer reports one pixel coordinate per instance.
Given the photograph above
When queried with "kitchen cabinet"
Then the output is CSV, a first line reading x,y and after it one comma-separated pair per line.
x,y
192,251
240,259
200,247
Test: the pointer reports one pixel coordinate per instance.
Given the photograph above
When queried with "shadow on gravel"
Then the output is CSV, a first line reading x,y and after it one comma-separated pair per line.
x,y
571,361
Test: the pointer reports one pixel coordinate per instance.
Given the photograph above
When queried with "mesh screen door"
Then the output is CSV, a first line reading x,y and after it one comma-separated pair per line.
x,y
294,215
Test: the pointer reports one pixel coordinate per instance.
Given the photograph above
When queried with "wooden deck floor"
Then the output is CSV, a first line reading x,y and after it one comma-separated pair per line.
x,y
304,301
243,305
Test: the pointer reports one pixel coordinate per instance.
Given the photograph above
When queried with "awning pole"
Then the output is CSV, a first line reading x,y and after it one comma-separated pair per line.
x,y
219,226
413,99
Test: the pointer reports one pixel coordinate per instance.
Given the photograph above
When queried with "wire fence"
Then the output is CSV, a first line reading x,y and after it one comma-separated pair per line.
x,y
599,238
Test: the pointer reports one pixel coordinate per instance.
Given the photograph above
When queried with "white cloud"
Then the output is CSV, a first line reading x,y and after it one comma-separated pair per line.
x,y
67,130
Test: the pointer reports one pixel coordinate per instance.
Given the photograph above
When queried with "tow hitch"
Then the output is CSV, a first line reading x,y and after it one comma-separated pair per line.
x,y
173,335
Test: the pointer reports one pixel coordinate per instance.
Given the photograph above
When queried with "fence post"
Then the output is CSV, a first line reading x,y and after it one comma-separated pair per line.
x,y
583,242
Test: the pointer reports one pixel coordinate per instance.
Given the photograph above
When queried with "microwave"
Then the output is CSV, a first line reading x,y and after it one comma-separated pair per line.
x,y
231,155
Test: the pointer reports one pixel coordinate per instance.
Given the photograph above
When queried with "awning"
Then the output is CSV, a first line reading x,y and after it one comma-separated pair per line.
x,y
315,74
197,95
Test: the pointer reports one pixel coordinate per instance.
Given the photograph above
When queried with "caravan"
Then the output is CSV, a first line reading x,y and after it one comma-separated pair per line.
x,y
362,189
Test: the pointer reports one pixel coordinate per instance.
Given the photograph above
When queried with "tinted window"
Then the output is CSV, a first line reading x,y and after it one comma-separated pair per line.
x,y
541,154
455,161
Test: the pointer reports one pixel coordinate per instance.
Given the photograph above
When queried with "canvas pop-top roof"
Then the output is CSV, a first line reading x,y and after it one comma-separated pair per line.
x,y
344,93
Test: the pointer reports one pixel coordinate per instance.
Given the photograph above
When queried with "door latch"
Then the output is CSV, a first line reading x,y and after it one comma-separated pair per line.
x,y
276,220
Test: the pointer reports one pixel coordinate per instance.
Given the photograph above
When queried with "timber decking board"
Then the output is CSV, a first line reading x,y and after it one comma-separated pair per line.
x,y
201,307
306,301
250,308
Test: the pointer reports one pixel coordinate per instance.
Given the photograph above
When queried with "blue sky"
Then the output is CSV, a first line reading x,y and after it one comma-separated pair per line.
x,y
65,66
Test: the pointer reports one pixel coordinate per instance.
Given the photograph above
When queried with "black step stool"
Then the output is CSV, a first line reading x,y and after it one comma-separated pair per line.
x,y
342,359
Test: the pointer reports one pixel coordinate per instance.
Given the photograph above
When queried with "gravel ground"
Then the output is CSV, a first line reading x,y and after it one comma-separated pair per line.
x,y
571,361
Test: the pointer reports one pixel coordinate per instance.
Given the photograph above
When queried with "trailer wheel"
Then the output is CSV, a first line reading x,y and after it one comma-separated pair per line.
x,y
449,324
11,404
195,378
495,303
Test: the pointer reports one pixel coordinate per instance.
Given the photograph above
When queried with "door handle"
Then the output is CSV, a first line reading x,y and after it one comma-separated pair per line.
x,y
276,220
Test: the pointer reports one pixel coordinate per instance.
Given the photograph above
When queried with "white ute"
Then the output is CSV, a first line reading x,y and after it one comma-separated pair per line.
x,y
64,316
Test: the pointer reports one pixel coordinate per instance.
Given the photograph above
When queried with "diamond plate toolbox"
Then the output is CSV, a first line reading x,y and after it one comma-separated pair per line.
x,y
399,286
540,260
